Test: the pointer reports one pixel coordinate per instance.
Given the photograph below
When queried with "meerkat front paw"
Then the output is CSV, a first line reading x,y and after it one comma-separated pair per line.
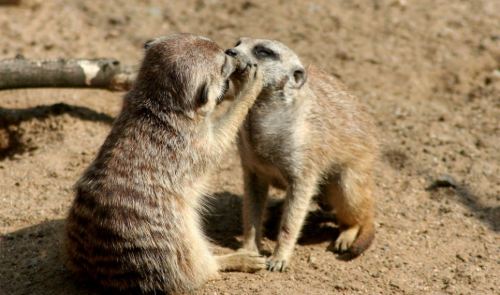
x,y
346,239
252,79
247,79
276,264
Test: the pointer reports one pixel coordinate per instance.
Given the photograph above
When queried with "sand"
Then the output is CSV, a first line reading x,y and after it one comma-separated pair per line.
x,y
429,70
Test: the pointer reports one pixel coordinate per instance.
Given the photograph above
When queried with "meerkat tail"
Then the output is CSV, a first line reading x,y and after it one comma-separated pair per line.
x,y
365,238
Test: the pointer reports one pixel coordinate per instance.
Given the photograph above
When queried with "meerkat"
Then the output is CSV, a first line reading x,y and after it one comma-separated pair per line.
x,y
307,135
134,225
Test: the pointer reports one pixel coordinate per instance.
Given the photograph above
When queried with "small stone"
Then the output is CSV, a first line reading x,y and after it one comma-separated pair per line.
x,y
311,259
393,284
115,21
459,257
444,180
48,46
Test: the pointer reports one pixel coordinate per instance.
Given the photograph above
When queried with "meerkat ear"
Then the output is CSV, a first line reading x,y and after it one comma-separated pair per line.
x,y
299,78
148,43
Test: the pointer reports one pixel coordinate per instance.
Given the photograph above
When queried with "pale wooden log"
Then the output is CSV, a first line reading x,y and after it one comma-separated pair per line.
x,y
94,73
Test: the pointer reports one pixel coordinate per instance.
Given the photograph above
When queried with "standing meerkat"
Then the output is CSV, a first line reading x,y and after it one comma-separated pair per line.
x,y
134,225
307,135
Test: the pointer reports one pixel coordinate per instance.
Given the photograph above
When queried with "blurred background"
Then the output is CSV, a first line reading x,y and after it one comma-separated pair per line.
x,y
429,71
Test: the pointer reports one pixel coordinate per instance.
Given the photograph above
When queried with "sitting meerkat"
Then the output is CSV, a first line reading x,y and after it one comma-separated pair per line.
x,y
307,135
134,225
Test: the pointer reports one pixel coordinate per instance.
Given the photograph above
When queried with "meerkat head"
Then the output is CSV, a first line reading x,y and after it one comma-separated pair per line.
x,y
281,68
182,73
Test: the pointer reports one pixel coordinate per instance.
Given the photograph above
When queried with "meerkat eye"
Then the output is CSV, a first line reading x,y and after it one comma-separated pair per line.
x,y
263,52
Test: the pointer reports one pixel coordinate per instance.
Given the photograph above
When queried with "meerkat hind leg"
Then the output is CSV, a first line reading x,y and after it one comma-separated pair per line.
x,y
254,206
351,197
241,261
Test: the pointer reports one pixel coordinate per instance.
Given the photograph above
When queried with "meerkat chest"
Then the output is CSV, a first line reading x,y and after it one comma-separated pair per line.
x,y
269,128
268,141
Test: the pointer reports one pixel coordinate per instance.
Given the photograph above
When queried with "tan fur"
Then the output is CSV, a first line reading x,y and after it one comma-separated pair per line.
x,y
134,225
307,135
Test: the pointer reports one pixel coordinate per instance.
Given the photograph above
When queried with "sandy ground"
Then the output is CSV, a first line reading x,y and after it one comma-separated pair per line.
x,y
429,70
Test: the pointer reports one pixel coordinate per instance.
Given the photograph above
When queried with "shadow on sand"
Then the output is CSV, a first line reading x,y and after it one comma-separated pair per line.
x,y
223,222
10,142
31,262
447,185
31,259
490,215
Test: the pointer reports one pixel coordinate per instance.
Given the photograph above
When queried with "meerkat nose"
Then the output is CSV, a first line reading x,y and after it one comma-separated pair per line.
x,y
231,52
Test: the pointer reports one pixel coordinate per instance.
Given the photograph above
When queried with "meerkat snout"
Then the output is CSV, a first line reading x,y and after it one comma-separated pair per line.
x,y
231,52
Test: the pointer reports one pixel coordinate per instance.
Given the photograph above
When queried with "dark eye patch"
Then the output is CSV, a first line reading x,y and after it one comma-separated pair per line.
x,y
262,52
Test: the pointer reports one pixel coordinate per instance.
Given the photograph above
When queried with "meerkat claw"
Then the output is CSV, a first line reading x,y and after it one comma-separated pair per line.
x,y
276,265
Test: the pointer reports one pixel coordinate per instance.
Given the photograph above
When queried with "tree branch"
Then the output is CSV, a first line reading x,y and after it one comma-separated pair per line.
x,y
94,73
